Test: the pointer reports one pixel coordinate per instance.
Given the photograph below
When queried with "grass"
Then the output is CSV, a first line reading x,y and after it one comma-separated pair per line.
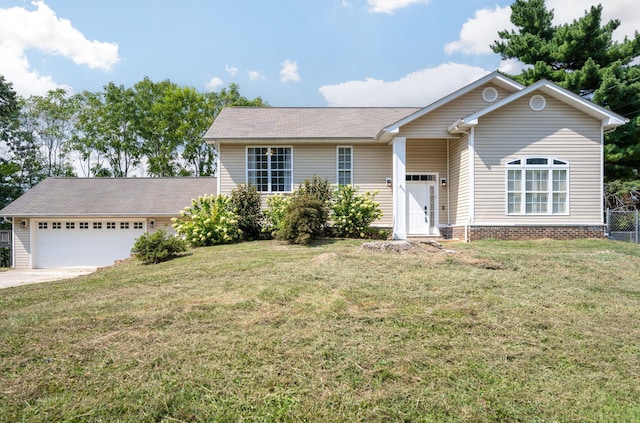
x,y
537,331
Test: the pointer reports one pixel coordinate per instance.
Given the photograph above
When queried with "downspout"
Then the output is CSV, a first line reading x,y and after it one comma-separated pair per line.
x,y
448,187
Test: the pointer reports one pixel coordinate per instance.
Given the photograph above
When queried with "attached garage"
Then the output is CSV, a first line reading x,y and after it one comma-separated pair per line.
x,y
83,243
93,222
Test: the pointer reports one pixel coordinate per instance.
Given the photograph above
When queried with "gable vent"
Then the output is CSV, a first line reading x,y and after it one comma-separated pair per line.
x,y
489,94
537,103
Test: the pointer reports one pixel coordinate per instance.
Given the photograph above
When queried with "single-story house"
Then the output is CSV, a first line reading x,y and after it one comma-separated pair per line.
x,y
494,159
91,222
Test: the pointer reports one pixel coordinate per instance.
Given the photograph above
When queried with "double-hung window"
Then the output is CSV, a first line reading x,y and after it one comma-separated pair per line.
x,y
269,169
537,185
345,165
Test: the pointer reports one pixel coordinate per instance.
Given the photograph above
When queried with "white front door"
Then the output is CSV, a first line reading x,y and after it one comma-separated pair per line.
x,y
421,207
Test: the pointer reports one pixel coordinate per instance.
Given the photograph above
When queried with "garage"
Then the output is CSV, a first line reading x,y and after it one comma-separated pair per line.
x,y
83,243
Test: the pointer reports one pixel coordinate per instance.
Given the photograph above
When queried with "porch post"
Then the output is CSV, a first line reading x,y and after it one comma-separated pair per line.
x,y
399,188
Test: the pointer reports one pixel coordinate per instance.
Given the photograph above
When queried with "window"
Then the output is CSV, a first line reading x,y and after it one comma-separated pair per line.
x,y
537,185
42,225
84,225
111,225
124,225
97,225
137,225
56,225
70,225
345,166
269,168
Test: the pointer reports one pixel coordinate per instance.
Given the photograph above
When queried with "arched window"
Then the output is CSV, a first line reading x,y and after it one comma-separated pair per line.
x,y
537,185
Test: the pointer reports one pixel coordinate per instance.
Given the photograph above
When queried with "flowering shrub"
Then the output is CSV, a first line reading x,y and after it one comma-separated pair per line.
x,y
209,221
274,214
352,213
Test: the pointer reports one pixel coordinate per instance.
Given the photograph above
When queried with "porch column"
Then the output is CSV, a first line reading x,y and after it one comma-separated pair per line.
x,y
399,188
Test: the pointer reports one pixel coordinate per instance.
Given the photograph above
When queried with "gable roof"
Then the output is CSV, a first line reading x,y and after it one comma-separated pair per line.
x,y
494,78
110,197
247,123
610,120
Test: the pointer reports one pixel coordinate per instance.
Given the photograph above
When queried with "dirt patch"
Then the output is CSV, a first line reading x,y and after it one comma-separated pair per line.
x,y
406,247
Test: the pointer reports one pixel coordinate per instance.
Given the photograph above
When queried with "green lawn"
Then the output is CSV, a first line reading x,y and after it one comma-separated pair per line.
x,y
499,331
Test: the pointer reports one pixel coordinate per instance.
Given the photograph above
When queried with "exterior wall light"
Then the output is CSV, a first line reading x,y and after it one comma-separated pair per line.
x,y
443,182
388,181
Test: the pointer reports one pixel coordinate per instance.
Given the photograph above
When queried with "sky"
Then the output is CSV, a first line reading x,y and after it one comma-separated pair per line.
x,y
288,52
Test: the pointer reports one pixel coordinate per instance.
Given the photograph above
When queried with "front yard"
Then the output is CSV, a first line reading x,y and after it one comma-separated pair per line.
x,y
264,331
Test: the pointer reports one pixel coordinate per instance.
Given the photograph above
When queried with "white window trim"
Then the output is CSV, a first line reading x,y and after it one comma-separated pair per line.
x,y
523,167
246,167
350,147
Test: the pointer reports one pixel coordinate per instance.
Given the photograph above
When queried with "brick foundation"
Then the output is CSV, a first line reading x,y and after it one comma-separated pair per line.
x,y
477,233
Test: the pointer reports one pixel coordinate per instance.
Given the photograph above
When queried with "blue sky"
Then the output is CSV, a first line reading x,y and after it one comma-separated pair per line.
x,y
289,52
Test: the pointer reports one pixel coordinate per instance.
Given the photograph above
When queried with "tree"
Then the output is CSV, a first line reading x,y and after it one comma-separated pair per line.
x,y
582,57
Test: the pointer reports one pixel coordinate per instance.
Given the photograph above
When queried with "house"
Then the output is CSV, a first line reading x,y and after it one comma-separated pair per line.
x,y
91,222
494,159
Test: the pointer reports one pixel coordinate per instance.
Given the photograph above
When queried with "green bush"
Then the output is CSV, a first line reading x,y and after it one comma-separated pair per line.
x,y
304,220
247,204
353,213
316,187
157,247
274,214
209,221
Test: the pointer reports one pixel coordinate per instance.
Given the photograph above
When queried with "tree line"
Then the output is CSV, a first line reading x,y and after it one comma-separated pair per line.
x,y
152,128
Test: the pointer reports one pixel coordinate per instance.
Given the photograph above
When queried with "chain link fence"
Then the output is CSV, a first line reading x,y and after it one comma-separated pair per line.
x,y
623,225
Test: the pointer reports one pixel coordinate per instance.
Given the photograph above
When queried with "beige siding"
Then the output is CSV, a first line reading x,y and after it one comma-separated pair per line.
x,y
372,165
163,223
558,131
232,159
435,123
430,156
459,181
21,244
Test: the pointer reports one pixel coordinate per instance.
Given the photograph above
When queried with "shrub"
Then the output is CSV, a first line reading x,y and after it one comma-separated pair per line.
x,y
274,214
157,247
316,187
209,221
304,220
353,213
247,204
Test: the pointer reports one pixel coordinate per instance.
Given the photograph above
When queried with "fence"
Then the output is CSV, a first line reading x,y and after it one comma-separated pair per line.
x,y
623,225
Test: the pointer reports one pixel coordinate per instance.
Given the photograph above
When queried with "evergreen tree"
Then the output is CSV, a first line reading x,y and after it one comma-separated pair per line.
x,y
582,57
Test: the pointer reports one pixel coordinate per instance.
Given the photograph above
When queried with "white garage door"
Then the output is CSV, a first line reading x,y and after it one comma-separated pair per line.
x,y
86,243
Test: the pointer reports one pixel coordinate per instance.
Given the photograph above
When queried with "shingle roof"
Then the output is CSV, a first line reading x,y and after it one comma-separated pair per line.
x,y
304,122
110,196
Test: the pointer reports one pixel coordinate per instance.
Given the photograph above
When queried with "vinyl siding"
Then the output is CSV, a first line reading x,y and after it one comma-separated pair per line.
x,y
371,165
459,181
430,156
558,131
21,244
436,122
163,223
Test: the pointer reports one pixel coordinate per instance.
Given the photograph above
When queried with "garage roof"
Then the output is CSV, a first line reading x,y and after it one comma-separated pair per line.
x,y
110,197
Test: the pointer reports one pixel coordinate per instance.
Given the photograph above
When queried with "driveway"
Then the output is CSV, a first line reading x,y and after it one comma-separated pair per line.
x,y
23,277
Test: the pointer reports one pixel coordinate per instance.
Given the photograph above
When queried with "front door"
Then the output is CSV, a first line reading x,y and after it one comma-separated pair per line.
x,y
421,207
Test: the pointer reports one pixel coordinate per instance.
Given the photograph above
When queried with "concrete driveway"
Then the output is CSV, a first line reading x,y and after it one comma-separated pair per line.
x,y
23,277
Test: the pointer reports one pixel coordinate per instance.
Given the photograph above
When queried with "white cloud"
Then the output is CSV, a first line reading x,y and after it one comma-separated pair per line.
x,y
214,83
418,89
255,75
390,6
479,32
231,70
42,30
289,71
